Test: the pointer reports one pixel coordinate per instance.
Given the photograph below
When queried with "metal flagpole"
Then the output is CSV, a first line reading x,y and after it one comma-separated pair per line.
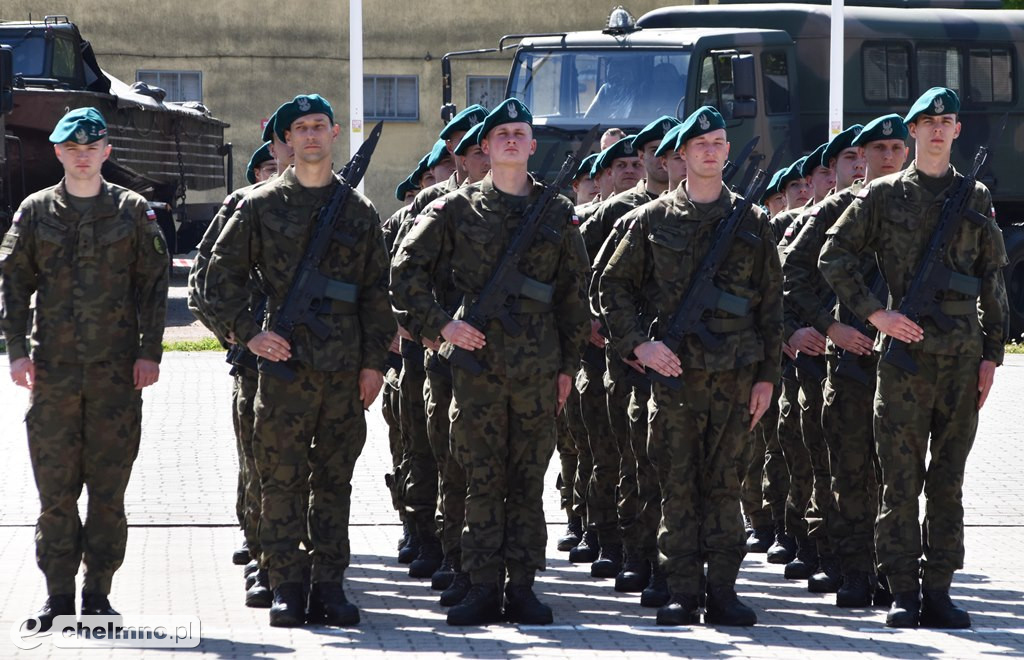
x,y
835,82
355,83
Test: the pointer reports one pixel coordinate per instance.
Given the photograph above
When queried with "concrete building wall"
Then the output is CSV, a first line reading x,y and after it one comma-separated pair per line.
x,y
255,54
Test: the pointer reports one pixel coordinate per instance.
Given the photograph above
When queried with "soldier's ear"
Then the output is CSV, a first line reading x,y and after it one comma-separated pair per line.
x,y
335,131
533,147
956,131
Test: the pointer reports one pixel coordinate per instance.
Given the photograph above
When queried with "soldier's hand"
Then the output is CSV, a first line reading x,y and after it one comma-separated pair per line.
x,y
396,346
808,341
432,344
596,338
463,335
788,350
270,346
986,376
563,384
370,382
636,365
760,400
850,339
231,338
23,373
897,326
659,357
145,373
403,333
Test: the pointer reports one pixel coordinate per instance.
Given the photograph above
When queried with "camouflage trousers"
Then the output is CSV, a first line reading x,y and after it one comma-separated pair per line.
x,y
697,435
939,403
819,506
390,405
503,433
84,426
775,475
751,481
421,474
641,540
847,420
627,499
308,436
568,455
578,461
798,460
244,397
602,489
451,501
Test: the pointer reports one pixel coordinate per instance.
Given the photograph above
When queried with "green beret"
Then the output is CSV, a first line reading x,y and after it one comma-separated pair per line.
x,y
471,138
887,127
703,120
839,142
300,106
671,140
404,187
259,157
774,186
936,101
792,173
622,149
437,153
268,130
421,169
585,166
464,121
82,126
507,112
655,131
813,160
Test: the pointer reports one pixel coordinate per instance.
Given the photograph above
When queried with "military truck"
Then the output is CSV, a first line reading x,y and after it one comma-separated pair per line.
x,y
161,150
766,68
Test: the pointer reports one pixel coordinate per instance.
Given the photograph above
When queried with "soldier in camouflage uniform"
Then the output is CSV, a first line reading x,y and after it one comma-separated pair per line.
x,y
93,257
933,412
309,431
503,420
698,433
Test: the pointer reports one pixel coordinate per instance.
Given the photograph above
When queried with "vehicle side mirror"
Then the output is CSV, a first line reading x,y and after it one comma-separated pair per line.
x,y
744,87
6,79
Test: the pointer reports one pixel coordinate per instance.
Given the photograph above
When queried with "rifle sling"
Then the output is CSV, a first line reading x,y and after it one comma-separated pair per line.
x,y
725,326
959,307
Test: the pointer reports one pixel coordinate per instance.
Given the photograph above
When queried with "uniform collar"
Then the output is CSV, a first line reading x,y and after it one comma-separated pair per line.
x,y
692,213
295,192
105,205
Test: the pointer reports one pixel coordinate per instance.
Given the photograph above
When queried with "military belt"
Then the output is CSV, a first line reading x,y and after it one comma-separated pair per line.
x,y
959,307
342,307
723,326
522,305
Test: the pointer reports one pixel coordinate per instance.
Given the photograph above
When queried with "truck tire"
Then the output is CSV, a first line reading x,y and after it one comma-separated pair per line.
x,y
1013,237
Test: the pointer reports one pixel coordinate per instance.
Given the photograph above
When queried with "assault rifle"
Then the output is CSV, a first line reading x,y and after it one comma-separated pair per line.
x,y
499,298
702,297
848,366
309,289
933,276
732,168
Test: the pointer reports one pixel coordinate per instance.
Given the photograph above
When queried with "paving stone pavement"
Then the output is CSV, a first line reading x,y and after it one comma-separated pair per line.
x,y
180,512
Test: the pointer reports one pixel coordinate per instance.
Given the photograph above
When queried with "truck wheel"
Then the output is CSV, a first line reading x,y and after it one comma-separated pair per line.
x,y
1013,237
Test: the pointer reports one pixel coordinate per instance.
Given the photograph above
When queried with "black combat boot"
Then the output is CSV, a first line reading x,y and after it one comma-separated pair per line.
x,y
573,534
445,573
681,610
783,550
761,539
259,594
458,589
588,549
482,605
724,608
250,568
805,563
609,562
288,608
97,605
856,590
882,596
634,576
522,606
428,560
55,606
241,556
411,549
329,606
748,527
827,578
657,593
905,610
404,538
938,611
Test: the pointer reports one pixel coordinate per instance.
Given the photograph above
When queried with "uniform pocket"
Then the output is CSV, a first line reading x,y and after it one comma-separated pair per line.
x,y
672,252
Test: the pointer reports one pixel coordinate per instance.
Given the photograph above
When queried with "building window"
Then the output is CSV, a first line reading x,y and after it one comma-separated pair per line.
x,y
991,72
488,91
886,72
939,66
180,86
391,97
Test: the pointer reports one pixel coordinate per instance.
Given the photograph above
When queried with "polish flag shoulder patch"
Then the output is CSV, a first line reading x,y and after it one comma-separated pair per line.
x,y
576,220
17,217
437,205
151,215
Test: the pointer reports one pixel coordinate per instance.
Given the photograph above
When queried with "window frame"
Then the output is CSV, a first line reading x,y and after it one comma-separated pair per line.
x,y
502,80
394,78
909,51
178,73
968,99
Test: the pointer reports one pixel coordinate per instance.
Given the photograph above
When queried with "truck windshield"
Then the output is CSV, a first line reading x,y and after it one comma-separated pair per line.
x,y
593,86
29,51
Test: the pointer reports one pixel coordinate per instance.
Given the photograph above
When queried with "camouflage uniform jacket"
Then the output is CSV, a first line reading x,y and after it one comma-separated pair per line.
x,y
100,279
430,193
270,231
393,225
894,217
655,261
470,229
599,224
